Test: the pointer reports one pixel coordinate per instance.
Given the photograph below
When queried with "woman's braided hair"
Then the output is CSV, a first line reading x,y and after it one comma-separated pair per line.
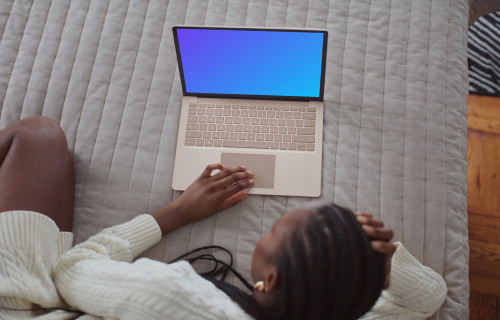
x,y
327,270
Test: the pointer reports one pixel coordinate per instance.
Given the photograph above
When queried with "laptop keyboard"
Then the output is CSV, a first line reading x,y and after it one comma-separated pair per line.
x,y
251,126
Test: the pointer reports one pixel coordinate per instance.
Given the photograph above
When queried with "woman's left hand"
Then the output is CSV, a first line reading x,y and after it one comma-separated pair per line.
x,y
207,195
380,239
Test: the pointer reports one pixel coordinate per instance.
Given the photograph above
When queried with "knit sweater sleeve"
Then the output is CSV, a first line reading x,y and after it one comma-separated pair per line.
x,y
415,291
97,277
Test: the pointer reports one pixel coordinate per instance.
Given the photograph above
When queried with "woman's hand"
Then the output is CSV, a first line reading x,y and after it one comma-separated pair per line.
x,y
380,239
206,196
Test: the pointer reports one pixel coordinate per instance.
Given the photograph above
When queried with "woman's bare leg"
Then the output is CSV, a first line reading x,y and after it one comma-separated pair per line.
x,y
36,170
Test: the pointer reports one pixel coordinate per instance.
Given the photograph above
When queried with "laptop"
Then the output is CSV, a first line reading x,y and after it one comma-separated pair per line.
x,y
252,97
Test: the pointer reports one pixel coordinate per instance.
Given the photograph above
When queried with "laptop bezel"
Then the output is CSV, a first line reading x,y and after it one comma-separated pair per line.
x,y
246,96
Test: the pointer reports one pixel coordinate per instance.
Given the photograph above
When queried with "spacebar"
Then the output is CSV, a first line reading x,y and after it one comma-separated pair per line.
x,y
246,144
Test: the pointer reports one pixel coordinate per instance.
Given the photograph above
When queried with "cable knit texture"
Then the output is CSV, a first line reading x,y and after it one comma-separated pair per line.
x,y
97,277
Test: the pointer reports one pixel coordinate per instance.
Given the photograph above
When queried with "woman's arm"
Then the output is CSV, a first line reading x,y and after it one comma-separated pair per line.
x,y
97,277
415,291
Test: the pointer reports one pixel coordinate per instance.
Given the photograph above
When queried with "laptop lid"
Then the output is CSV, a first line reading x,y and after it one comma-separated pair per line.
x,y
251,63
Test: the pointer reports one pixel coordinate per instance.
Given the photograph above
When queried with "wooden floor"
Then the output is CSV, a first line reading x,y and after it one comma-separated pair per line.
x,y
483,206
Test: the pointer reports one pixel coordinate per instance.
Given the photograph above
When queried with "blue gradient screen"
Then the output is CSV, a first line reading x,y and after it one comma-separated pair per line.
x,y
251,62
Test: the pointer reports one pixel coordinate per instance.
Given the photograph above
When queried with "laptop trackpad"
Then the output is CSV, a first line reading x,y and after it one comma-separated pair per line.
x,y
261,165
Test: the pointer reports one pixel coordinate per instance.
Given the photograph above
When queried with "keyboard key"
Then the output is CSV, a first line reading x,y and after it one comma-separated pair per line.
x,y
309,116
193,134
278,138
310,147
230,127
253,113
288,115
226,112
238,128
247,128
208,143
245,144
287,138
219,120
304,139
269,137
301,146
259,137
190,142
192,119
281,122
224,135
283,146
200,112
210,112
221,127
203,127
255,121
250,136
297,115
192,126
292,130
207,135
216,135
299,123
228,120
202,119
264,129
200,142
218,112
273,130
217,143
233,136
292,146
275,145
306,131
211,119
282,130
212,127
311,109
264,121
192,111
242,136
309,123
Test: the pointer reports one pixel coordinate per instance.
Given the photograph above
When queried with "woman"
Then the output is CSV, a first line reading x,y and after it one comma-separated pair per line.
x,y
317,262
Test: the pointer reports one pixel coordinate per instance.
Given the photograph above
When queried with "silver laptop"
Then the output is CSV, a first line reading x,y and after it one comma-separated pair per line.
x,y
252,97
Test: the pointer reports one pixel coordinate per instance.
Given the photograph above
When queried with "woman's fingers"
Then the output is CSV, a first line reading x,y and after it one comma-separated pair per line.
x,y
234,178
207,173
231,201
384,247
378,233
227,172
367,219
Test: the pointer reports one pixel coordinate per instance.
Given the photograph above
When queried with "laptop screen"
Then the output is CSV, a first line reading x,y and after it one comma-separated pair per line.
x,y
251,63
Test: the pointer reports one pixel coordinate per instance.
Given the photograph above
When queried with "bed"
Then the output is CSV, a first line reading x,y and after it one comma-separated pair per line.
x,y
395,119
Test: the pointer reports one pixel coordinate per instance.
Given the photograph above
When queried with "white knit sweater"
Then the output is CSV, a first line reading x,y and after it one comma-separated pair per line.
x,y
99,278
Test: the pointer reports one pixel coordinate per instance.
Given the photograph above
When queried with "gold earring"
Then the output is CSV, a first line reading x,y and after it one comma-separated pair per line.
x,y
259,285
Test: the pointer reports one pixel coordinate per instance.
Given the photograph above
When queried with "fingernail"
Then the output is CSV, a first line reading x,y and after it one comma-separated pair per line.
x,y
362,219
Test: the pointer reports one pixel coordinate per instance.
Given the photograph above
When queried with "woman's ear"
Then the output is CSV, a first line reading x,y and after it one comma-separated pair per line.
x,y
271,281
